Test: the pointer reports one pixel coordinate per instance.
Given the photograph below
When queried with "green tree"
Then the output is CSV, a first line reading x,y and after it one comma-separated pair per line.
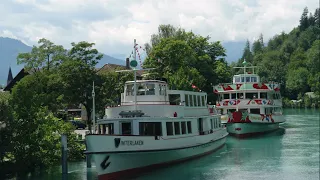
x,y
257,45
112,85
313,64
297,80
317,17
5,134
36,132
44,56
247,54
304,21
77,73
187,50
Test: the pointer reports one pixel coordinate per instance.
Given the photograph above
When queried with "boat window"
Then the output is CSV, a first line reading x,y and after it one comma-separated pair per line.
x,y
243,110
162,90
183,128
240,95
263,95
251,95
191,100
255,111
247,79
107,128
150,129
268,110
200,124
176,128
126,128
212,126
231,110
189,127
242,79
233,96
141,89
129,91
199,101
253,79
226,96
169,128
174,99
237,79
186,99
194,100
202,100
150,89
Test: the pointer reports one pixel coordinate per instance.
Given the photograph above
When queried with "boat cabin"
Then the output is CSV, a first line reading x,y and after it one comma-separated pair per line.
x,y
157,92
158,111
245,78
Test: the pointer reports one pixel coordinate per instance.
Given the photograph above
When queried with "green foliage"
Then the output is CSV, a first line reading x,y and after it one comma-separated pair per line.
x,y
5,134
36,140
110,89
290,59
185,58
77,73
44,56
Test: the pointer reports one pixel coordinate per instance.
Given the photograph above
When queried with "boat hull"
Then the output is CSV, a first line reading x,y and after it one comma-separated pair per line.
x,y
250,129
122,165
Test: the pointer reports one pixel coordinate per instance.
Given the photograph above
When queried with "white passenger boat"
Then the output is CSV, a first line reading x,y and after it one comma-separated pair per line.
x,y
152,128
248,106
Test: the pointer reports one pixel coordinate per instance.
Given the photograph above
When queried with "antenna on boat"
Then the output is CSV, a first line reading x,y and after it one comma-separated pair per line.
x,y
93,109
245,63
134,64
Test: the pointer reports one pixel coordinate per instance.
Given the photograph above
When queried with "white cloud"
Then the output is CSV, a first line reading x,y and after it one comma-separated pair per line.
x,y
113,24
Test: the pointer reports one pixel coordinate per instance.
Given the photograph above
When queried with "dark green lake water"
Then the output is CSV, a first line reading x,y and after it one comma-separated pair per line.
x,y
291,153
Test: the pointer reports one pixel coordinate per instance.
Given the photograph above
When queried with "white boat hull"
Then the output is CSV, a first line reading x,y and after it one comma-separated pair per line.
x,y
121,164
250,129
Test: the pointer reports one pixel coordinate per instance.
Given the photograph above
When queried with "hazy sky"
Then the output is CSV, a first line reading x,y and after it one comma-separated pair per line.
x,y
113,24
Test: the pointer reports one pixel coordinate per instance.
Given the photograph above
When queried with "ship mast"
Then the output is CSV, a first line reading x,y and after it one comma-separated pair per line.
x,y
134,64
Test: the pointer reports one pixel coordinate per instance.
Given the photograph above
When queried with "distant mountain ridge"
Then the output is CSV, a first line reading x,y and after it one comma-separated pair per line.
x,y
10,48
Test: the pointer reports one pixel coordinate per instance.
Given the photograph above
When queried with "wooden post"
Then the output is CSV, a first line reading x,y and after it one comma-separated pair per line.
x,y
64,149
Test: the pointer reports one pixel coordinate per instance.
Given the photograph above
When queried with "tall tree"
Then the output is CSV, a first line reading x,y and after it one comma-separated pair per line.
x,y
258,45
77,74
304,20
182,49
317,17
247,55
44,56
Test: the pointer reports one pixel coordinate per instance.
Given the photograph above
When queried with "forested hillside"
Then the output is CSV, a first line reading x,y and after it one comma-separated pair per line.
x,y
291,59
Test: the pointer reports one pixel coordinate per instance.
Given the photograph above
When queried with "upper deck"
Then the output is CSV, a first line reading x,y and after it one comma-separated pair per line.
x,y
246,82
155,99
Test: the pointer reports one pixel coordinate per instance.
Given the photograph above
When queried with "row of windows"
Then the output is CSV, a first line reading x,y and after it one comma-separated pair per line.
x,y
177,128
268,110
215,124
145,89
246,79
155,128
194,100
250,95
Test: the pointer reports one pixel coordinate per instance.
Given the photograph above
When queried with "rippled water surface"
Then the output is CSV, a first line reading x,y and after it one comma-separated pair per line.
x,y
291,153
